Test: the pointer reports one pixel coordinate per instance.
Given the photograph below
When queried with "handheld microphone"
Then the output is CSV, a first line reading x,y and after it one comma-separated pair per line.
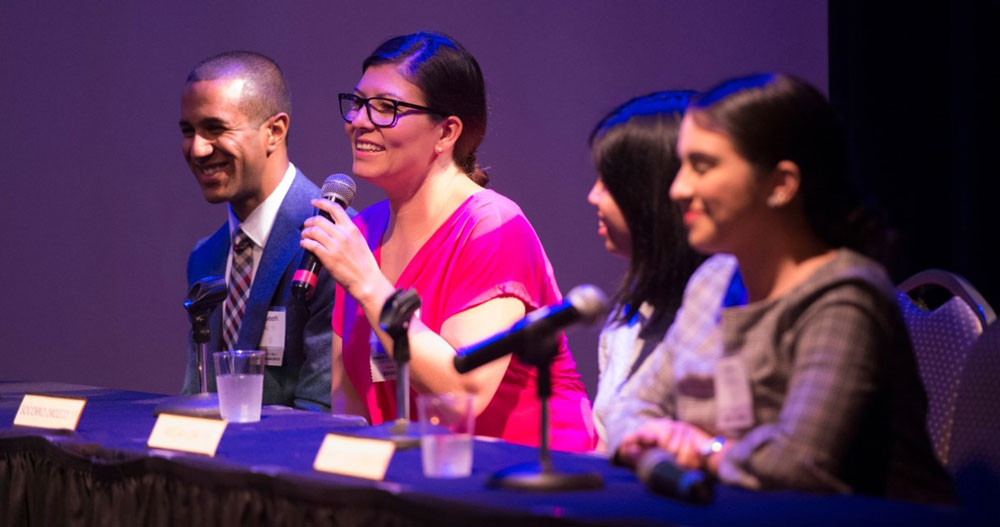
x,y
584,303
660,473
340,189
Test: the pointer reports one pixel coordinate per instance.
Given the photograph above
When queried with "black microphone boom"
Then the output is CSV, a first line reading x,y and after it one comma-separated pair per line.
x,y
584,303
340,189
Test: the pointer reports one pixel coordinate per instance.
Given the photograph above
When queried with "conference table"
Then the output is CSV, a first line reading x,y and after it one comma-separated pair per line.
x,y
262,474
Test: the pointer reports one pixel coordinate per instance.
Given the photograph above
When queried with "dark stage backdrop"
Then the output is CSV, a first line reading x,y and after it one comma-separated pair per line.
x,y
917,87
99,211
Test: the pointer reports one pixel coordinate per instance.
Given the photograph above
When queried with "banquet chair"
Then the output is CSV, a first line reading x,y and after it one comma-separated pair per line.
x,y
974,452
944,315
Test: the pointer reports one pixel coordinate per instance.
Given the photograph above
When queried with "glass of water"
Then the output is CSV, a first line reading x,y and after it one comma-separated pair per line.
x,y
447,423
239,377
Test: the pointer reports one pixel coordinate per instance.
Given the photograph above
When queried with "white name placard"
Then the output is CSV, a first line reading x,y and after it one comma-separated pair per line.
x,y
354,456
47,411
187,434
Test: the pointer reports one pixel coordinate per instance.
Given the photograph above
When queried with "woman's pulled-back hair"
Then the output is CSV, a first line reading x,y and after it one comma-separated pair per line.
x,y
451,82
773,117
634,151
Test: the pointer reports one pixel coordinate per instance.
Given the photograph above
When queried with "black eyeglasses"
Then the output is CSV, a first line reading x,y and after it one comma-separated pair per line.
x,y
381,111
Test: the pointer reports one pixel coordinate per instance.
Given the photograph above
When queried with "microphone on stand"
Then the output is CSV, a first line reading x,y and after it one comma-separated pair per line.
x,y
533,340
203,298
584,303
658,470
340,189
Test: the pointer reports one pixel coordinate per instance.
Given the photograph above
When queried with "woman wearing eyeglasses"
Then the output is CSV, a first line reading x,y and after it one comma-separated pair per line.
x,y
815,383
414,122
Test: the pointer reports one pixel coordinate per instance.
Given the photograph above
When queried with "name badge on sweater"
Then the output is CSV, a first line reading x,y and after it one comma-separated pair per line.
x,y
273,339
734,402
382,364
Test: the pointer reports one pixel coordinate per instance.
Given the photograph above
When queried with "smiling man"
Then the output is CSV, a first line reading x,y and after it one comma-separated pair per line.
x,y
235,116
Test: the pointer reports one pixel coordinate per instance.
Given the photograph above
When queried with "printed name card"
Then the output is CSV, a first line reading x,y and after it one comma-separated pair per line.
x,y
187,434
47,411
354,456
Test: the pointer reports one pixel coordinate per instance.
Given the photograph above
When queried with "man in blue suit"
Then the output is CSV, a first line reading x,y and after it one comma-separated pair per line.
x,y
235,113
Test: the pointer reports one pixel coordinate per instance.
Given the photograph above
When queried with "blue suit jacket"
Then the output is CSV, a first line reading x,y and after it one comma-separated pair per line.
x,y
303,379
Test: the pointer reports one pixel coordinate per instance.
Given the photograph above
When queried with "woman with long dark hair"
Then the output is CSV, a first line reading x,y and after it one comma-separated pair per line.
x,y
634,151
813,385
414,122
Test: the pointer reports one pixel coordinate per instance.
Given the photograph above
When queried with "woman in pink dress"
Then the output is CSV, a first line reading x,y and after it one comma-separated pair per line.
x,y
414,122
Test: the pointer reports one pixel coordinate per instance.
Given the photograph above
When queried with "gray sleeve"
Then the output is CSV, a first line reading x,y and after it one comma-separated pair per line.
x,y
835,348
647,395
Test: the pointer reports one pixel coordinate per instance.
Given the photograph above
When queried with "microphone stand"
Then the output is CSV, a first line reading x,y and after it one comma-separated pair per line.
x,y
202,299
395,319
542,476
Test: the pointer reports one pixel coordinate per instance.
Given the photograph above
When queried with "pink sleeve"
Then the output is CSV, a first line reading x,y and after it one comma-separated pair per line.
x,y
500,257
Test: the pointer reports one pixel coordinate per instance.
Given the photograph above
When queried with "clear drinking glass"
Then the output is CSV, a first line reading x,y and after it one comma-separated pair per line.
x,y
239,376
447,423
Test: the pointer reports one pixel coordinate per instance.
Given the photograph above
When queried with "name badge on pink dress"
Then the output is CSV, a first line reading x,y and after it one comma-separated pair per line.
x,y
382,364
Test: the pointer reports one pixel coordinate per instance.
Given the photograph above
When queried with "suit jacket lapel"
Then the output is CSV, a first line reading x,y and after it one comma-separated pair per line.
x,y
279,254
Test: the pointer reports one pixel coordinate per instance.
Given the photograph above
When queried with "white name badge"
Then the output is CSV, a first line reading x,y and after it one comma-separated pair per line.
x,y
354,456
383,366
732,394
273,339
187,434
47,411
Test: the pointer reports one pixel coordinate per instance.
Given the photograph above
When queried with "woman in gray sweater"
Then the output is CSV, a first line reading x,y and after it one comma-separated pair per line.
x,y
813,384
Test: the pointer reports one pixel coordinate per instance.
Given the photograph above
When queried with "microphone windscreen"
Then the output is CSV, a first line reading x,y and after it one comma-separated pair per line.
x,y
589,301
339,187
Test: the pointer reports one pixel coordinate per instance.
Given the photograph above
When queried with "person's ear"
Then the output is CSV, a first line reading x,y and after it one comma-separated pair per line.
x,y
277,131
785,181
451,130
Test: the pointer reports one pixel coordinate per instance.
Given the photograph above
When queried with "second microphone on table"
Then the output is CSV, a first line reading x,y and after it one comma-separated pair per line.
x,y
340,189
659,471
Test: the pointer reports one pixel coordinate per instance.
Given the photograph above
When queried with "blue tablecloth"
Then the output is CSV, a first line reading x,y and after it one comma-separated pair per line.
x,y
262,475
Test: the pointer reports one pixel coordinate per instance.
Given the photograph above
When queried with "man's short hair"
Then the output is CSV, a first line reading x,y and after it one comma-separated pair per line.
x,y
265,93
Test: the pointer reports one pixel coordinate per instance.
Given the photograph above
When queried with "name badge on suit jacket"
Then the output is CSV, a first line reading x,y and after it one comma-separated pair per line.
x,y
273,339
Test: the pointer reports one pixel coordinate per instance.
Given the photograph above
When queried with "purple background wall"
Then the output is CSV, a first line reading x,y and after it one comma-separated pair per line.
x,y
99,211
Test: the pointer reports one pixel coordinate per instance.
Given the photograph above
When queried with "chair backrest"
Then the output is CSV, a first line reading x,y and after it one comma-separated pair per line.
x,y
941,332
974,454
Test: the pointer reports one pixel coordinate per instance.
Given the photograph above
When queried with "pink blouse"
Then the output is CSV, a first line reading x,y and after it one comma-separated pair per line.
x,y
486,249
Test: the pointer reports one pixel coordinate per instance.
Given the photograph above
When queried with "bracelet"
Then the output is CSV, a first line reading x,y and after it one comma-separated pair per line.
x,y
713,446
